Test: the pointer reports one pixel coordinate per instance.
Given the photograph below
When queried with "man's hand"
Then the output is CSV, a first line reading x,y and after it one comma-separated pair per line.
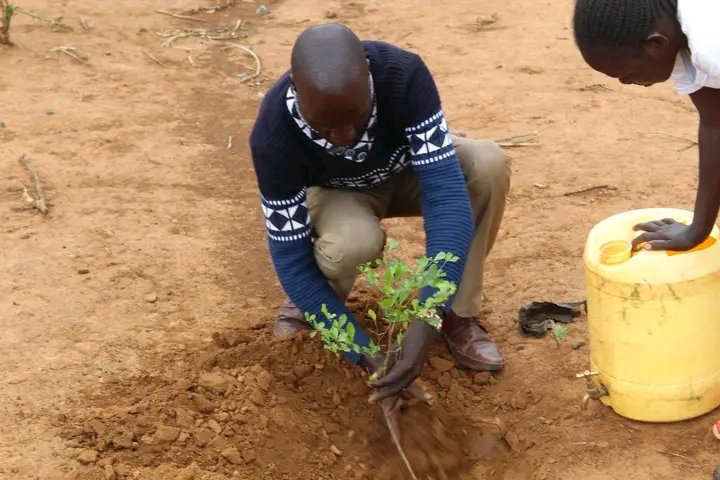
x,y
408,366
666,234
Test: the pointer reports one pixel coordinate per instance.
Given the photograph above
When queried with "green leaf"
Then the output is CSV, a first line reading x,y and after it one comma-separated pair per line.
x,y
560,331
393,245
373,316
440,257
350,329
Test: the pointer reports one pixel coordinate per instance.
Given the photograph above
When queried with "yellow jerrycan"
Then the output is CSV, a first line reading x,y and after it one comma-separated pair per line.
x,y
653,321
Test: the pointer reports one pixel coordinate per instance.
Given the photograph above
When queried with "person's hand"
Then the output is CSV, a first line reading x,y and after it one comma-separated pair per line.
x,y
666,234
402,372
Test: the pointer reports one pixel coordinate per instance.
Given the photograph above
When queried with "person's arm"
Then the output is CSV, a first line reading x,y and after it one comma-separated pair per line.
x,y
446,210
288,227
670,235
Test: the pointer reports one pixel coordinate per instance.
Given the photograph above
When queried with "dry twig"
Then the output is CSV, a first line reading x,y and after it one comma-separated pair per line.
x,y
181,17
524,140
589,189
211,8
72,52
258,67
690,143
220,33
39,203
154,59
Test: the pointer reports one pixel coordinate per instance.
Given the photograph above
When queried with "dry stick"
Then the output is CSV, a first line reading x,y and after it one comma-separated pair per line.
x,y
72,52
154,59
672,454
691,143
255,57
392,427
40,202
589,189
212,8
182,17
525,140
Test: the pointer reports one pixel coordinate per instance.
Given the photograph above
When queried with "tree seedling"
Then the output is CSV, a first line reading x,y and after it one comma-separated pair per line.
x,y
398,284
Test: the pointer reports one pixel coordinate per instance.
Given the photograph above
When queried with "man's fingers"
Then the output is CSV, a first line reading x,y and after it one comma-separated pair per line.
x,y
646,227
396,373
646,237
659,245
383,393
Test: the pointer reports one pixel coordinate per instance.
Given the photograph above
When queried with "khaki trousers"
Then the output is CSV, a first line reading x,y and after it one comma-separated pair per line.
x,y
347,230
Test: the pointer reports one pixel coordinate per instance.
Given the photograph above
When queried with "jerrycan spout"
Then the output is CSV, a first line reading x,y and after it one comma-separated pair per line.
x,y
594,390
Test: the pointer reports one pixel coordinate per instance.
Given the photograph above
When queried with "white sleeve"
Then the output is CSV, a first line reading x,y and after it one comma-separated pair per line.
x,y
700,67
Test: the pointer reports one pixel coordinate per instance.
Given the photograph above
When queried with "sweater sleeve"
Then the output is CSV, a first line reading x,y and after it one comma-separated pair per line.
x,y
287,225
445,203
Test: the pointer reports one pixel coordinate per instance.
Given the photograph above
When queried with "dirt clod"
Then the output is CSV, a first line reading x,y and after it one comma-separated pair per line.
x,y
232,455
87,456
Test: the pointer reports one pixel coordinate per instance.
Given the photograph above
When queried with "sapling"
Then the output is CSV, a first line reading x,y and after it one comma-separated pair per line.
x,y
398,284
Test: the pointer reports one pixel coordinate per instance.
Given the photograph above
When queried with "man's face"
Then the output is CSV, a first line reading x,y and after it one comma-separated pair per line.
x,y
641,69
339,118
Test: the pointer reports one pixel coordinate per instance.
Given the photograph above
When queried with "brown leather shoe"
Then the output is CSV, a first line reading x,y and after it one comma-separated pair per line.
x,y
470,344
290,320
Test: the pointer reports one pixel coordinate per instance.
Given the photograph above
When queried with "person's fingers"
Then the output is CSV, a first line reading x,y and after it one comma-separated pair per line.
x,y
659,245
646,227
645,237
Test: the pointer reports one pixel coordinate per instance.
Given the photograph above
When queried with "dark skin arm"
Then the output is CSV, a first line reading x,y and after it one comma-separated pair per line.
x,y
668,234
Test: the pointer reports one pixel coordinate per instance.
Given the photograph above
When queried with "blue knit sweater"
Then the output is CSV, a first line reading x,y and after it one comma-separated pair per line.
x,y
406,129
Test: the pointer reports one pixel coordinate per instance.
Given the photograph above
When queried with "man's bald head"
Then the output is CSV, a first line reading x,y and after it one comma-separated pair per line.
x,y
328,58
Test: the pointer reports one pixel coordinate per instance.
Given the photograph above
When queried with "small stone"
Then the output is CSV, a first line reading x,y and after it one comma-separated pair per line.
x,y
232,455
264,380
203,404
184,418
123,441
151,297
215,381
482,378
109,473
248,456
167,434
335,450
257,397
50,111
83,271
445,380
331,14
182,438
214,426
87,457
204,437
262,10
221,417
302,371
441,365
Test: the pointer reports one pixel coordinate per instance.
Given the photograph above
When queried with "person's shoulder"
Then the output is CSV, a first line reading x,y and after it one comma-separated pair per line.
x,y
699,20
390,55
271,119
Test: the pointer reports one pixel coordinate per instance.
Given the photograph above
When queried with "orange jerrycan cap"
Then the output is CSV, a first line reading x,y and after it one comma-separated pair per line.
x,y
617,251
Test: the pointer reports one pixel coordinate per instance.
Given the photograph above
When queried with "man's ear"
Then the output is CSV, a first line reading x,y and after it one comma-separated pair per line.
x,y
656,44
292,79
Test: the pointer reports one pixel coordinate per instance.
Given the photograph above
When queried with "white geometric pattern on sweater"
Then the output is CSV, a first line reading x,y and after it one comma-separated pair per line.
x,y
430,140
399,160
359,152
287,220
